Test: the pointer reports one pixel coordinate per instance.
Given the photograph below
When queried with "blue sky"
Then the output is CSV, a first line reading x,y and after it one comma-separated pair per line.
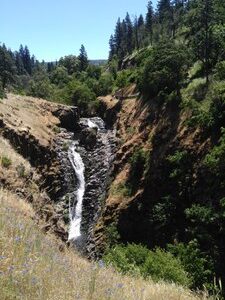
x,y
54,28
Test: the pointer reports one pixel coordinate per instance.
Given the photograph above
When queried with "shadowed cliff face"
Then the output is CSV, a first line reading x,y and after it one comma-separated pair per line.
x,y
158,200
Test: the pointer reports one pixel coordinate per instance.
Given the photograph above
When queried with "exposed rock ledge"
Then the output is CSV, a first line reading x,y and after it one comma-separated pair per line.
x,y
30,127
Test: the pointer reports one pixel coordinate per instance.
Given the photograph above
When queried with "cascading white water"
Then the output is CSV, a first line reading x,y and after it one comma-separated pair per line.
x,y
76,207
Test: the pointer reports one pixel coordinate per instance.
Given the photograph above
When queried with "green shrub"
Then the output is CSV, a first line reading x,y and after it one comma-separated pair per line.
x,y
196,263
126,77
79,94
6,162
164,71
105,84
215,160
138,260
121,189
137,167
122,79
220,70
112,235
40,89
179,162
59,76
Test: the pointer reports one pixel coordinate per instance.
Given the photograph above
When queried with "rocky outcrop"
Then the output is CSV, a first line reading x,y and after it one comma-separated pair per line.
x,y
108,110
33,130
88,137
68,116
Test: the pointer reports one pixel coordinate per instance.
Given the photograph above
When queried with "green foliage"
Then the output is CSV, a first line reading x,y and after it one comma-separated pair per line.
x,y
121,80
83,59
121,189
138,260
196,263
164,71
7,67
71,63
6,162
178,161
215,160
125,77
59,76
40,88
105,84
137,167
112,235
79,94
220,70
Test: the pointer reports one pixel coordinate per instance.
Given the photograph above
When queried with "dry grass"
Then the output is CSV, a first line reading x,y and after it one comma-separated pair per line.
x,y
7,150
31,115
32,267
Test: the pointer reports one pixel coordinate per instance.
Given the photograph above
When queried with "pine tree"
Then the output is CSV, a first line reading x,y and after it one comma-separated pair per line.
x,y
164,9
201,20
19,64
83,59
7,67
136,33
118,36
112,50
141,30
27,60
149,20
129,34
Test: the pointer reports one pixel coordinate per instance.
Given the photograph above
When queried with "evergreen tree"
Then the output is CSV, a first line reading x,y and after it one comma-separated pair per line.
x,y
27,60
19,64
165,17
112,50
164,9
149,20
7,67
118,37
136,33
201,21
141,30
129,34
83,59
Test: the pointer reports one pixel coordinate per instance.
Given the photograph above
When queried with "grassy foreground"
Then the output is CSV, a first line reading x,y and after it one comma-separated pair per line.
x,y
32,266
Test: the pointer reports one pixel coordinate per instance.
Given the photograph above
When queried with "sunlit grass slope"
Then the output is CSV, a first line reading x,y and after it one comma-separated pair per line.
x,y
32,266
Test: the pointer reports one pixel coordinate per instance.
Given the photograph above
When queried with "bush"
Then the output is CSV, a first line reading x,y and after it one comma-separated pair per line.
x,y
121,189
164,71
196,263
105,84
6,162
137,167
138,260
79,94
220,70
59,76
40,88
215,160
124,78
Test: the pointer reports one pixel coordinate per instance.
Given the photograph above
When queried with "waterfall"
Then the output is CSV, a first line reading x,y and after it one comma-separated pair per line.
x,y
94,145
76,207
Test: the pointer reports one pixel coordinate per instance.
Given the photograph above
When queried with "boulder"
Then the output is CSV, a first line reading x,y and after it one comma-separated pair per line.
x,y
68,117
88,137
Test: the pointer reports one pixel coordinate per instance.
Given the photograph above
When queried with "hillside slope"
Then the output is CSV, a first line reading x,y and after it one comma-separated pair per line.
x,y
37,266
